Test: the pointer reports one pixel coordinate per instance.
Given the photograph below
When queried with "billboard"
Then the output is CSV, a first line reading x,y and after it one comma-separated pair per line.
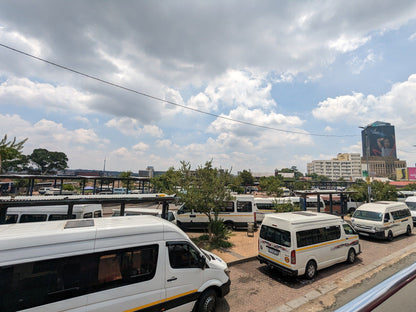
x,y
378,139
402,174
412,173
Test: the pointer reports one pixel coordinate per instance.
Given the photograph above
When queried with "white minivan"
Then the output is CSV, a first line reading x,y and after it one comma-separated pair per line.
x,y
238,213
383,219
411,203
137,263
52,213
302,242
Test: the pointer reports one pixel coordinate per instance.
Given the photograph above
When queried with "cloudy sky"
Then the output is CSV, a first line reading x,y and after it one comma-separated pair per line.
x,y
252,85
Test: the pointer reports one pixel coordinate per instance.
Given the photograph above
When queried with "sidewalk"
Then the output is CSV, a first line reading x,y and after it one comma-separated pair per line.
x,y
244,247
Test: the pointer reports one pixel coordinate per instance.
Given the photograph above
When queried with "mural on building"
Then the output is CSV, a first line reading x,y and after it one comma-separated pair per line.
x,y
379,140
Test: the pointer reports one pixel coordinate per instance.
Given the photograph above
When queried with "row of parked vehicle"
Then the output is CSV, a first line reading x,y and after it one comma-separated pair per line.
x,y
136,263
300,243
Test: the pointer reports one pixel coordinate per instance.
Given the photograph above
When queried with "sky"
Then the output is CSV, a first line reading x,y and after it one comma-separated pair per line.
x,y
250,85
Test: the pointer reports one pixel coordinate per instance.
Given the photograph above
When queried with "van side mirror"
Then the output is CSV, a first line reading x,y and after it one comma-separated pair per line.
x,y
202,262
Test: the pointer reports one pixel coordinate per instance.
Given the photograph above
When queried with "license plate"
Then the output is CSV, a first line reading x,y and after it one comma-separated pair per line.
x,y
274,251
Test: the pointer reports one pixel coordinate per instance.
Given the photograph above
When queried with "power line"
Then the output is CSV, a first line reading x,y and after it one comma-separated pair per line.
x,y
166,101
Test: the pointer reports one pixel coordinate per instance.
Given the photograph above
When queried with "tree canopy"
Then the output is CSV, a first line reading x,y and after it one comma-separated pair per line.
x,y
43,161
11,157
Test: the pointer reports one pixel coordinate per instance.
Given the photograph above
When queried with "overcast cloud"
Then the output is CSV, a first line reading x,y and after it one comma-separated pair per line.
x,y
298,69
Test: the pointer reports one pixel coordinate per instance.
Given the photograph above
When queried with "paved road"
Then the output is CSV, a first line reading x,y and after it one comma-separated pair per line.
x,y
255,288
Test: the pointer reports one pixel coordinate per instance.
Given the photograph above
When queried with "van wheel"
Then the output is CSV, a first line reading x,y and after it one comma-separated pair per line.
x,y
351,256
208,301
390,236
310,271
408,230
229,226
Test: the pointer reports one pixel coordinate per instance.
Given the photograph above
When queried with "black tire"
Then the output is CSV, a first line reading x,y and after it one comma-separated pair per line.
x,y
390,236
310,270
409,230
207,302
351,256
229,226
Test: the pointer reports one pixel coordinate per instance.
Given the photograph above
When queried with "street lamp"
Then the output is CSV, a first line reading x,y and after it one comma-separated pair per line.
x,y
367,149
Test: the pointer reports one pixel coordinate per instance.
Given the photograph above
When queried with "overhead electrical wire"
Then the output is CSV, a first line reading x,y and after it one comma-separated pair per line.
x,y
166,101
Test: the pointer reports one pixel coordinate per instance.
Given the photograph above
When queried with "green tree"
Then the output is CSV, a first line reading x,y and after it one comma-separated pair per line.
x,y
246,178
379,191
383,191
11,157
46,162
235,185
205,191
271,185
168,182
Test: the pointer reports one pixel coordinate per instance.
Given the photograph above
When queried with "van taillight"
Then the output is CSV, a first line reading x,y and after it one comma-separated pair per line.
x,y
255,217
293,257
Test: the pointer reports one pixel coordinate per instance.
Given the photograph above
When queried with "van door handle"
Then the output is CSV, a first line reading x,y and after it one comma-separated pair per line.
x,y
173,278
192,216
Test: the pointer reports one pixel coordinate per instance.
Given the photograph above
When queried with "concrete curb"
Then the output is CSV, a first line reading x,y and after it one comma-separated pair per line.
x,y
239,261
351,280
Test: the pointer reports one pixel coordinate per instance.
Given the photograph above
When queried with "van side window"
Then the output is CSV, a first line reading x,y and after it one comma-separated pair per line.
x,y
319,235
97,214
32,284
265,206
276,236
54,217
348,229
228,208
400,214
11,218
87,215
244,206
32,218
386,217
183,256
183,210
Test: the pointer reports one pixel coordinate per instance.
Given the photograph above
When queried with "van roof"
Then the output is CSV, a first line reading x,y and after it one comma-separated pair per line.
x,y
381,205
70,237
299,217
410,199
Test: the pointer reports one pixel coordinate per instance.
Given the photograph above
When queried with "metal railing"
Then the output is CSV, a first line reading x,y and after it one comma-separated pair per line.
x,y
382,292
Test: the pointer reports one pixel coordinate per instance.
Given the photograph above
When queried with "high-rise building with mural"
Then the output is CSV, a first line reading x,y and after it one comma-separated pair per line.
x,y
379,150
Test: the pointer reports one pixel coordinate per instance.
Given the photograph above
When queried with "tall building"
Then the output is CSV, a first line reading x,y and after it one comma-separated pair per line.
x,y
379,150
346,166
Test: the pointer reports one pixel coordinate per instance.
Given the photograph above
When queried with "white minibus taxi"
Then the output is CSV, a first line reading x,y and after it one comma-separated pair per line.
x,y
383,219
302,242
411,203
52,213
237,214
137,263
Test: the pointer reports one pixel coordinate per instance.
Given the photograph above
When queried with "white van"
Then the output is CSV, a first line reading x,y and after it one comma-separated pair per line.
x,y
133,211
104,265
266,205
302,242
383,219
411,203
238,214
52,213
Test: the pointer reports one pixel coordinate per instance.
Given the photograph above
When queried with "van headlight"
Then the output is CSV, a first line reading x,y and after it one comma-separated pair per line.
x,y
227,272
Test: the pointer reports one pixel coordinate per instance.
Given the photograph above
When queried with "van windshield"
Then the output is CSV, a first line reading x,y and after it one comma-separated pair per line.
x,y
274,235
368,215
411,205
